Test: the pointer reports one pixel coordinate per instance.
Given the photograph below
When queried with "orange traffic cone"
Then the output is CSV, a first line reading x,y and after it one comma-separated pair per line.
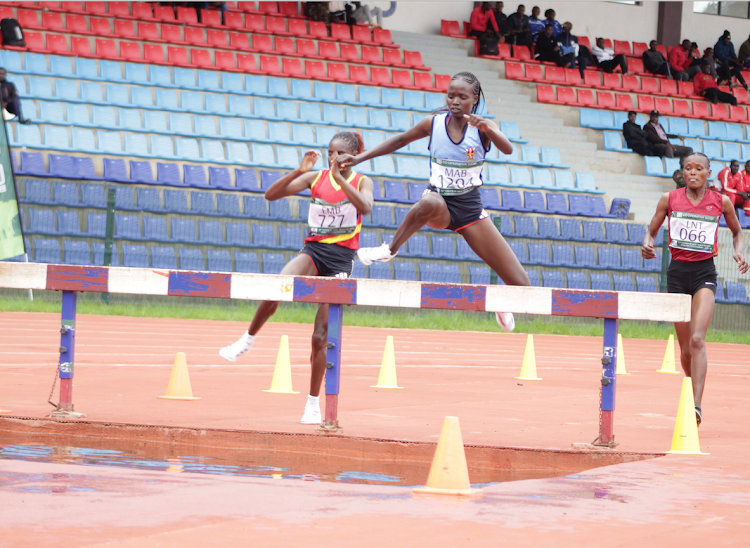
x,y
179,383
449,474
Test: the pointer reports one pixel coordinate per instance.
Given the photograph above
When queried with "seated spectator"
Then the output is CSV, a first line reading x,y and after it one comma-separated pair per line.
x,y
548,50
659,139
518,24
536,25
705,86
317,11
221,6
744,193
708,58
744,54
502,21
732,183
679,178
680,62
549,15
482,21
11,100
606,58
337,11
654,62
362,13
635,137
728,64
571,50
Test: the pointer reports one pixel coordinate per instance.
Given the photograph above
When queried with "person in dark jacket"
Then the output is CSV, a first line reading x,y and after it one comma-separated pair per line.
x,y
520,34
635,137
548,50
11,100
653,60
659,139
571,50
727,60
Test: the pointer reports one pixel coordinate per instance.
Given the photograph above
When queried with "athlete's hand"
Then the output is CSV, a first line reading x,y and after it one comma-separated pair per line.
x,y
334,164
742,264
308,160
647,252
347,160
478,122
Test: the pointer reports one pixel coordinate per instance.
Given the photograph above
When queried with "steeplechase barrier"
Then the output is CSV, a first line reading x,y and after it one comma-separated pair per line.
x,y
611,306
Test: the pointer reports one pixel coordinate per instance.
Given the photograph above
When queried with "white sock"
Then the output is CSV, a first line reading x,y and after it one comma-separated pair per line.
x,y
313,401
247,338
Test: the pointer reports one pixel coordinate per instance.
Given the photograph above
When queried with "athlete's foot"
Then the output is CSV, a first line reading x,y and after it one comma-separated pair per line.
x,y
505,320
235,350
698,415
369,255
312,411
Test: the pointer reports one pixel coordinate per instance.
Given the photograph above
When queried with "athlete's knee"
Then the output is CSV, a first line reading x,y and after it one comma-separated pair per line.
x,y
697,342
430,203
319,338
517,278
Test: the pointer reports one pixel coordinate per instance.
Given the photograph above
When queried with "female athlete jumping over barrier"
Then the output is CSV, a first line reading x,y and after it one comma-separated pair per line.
x,y
459,140
693,214
340,197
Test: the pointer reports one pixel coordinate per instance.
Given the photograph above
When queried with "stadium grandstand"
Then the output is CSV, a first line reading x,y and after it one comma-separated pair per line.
x,y
191,121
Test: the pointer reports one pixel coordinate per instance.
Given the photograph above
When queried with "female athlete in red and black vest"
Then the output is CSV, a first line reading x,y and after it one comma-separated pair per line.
x,y
693,214
339,199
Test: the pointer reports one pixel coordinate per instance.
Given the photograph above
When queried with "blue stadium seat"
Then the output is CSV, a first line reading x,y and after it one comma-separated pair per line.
x,y
539,254
368,239
564,180
37,192
273,263
395,192
76,252
417,246
636,233
155,229
720,296
135,256
580,205
498,175
613,141
736,292
510,130
246,179
570,229
712,149
46,251
400,214
593,231
490,198
264,236
734,133
202,203
479,275
334,115
29,136
415,191
512,201
631,259
219,260
380,216
653,265
290,237
141,172
238,234
280,210
228,205
535,202
218,177
716,130
524,227
541,178
168,174
267,178
548,228
585,257
149,199
246,262
552,278
382,271
519,175
623,282
654,166
191,259
163,257
562,254
255,207
443,248
96,225
533,278
557,203
616,233
646,284
589,117
183,230
464,252
175,201
41,221
116,170
600,282
576,280
127,227
68,223
60,165
609,258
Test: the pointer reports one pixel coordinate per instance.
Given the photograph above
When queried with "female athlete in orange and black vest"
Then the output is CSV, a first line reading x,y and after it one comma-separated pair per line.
x,y
693,214
339,199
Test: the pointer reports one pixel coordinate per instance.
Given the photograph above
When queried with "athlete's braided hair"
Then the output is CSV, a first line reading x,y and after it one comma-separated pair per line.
x,y
682,160
476,87
353,140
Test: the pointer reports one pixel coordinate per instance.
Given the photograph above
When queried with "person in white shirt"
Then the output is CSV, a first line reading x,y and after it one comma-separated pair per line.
x,y
362,13
606,58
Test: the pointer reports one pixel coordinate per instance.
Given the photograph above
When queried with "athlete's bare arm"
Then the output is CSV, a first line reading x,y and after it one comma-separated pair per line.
x,y
647,249
738,238
491,131
295,181
361,199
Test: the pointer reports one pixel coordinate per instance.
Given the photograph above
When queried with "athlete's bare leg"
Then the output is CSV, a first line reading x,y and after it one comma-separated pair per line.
x,y
318,354
487,242
692,338
301,265
430,210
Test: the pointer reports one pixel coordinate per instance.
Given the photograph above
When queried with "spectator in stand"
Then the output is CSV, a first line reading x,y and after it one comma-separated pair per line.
x,y
732,183
337,11
635,137
708,58
606,58
680,61
11,100
659,139
548,50
570,50
679,178
727,60
357,12
654,62
549,15
536,25
744,53
744,193
221,6
502,21
519,33
318,11
483,21
705,86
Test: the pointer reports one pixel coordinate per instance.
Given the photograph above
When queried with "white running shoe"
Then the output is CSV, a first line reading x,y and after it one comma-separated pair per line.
x,y
506,320
369,255
235,350
312,415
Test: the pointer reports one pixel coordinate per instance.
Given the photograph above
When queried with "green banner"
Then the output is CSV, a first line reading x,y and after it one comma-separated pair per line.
x,y
11,237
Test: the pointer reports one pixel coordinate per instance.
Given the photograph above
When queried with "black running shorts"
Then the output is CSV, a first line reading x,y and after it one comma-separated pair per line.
x,y
689,277
330,260
465,209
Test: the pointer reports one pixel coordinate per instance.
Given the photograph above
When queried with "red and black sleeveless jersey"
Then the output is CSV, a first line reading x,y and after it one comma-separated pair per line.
x,y
693,228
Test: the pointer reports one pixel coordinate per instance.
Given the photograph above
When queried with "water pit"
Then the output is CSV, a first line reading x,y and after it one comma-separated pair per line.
x,y
310,457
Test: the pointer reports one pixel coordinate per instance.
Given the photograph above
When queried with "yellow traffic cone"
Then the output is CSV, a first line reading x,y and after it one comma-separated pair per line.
x,y
528,367
449,474
282,374
620,357
387,377
685,439
179,383
667,366
5,411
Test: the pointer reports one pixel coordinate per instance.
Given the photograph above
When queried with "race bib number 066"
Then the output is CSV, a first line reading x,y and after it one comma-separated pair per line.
x,y
693,232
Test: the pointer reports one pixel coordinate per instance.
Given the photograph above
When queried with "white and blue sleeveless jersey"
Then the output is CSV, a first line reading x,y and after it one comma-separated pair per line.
x,y
455,168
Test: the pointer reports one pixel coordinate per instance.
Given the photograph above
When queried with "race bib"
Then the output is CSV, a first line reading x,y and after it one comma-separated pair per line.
x,y
451,177
331,219
693,232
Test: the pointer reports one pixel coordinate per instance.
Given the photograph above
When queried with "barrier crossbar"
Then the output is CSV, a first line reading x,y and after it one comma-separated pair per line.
x,y
611,306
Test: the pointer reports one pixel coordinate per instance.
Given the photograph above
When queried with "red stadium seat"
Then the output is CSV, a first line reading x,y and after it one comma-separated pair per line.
x,y
623,101
636,66
106,49
645,103
29,19
555,75
34,42
592,79
123,28
165,13
277,25
503,51
663,50
52,20
349,53
154,54
402,79
358,74
585,98
306,48
362,35
73,7
285,46
450,28
80,46
297,27
211,18
246,63
342,33
392,58
188,16
194,36
681,108
270,65
268,7
649,85
255,23
546,94
685,89
6,13
57,44
318,30
534,73
224,60
178,56
234,20
584,41
522,53
338,73
262,43
442,81
172,34
148,31
423,80
514,71
719,112
700,110
667,87
216,38
99,25
121,10
605,99
95,8
371,55
737,114
293,68
382,37
316,70
412,59
130,51
622,47
639,48
239,40
289,9
608,44
631,83
572,77
329,50
201,58
663,105
612,81
142,11
247,7
741,95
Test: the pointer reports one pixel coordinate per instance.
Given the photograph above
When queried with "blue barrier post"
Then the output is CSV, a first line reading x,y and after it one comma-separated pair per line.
x,y
333,368
609,385
67,355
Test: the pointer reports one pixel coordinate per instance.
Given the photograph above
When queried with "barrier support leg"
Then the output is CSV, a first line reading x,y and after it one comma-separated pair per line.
x,y
609,385
330,422
67,357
